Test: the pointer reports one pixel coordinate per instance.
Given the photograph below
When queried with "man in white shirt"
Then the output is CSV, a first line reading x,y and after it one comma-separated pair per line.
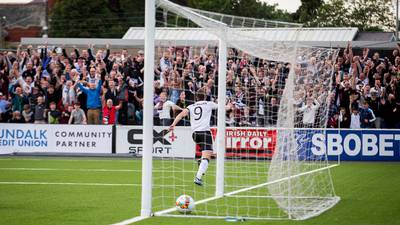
x,y
200,116
309,111
164,108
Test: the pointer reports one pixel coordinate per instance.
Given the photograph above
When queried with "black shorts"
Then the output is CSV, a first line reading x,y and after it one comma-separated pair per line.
x,y
203,139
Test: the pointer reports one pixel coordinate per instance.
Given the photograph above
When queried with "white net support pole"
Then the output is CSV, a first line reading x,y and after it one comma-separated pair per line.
x,y
147,162
222,54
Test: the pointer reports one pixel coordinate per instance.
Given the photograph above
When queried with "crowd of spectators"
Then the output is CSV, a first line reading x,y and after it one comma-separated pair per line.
x,y
50,85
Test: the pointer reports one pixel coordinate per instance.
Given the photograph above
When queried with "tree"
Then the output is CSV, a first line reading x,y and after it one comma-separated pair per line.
x,y
81,18
331,14
307,11
112,18
372,14
367,15
248,8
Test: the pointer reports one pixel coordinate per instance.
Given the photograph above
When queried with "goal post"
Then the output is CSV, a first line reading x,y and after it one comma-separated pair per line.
x,y
272,96
147,160
220,170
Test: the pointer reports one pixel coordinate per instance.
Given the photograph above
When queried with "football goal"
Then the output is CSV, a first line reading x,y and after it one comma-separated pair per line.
x,y
270,95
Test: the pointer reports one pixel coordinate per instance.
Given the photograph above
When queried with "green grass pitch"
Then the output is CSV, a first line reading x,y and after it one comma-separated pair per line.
x,y
44,190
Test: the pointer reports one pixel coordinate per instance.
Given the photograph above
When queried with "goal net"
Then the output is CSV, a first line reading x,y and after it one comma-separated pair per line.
x,y
272,97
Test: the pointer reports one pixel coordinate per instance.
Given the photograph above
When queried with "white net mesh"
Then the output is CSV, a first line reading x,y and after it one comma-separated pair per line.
x,y
277,92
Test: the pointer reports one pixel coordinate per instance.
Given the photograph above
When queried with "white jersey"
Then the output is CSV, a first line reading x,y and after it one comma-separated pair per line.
x,y
200,115
166,108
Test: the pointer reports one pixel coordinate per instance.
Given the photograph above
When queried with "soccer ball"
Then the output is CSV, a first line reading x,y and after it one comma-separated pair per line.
x,y
184,204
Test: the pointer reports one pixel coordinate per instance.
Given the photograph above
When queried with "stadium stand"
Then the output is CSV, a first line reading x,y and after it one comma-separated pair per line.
x,y
48,85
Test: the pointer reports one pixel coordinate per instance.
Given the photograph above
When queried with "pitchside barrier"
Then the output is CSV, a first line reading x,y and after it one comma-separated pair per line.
x,y
349,145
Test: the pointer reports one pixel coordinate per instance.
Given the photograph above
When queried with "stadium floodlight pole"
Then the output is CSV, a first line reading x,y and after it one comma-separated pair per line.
x,y
147,160
222,54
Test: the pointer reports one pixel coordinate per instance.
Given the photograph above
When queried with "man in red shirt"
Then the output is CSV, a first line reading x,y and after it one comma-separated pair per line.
x,y
109,112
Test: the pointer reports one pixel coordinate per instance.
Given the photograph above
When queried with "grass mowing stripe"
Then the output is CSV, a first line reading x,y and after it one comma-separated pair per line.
x,y
369,193
103,170
60,169
77,184
45,158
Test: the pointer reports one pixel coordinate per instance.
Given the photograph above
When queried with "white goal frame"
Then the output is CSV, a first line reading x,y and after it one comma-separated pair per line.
x,y
147,160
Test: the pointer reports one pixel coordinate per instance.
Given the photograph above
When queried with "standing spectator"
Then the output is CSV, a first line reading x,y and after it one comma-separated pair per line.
x,y
378,88
53,94
17,118
182,103
7,114
164,109
366,116
77,115
27,114
3,103
344,118
93,101
272,112
309,111
261,107
68,93
110,111
333,121
18,100
246,120
66,114
53,115
40,110
355,119
111,92
391,112
165,61
175,86
30,71
377,108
